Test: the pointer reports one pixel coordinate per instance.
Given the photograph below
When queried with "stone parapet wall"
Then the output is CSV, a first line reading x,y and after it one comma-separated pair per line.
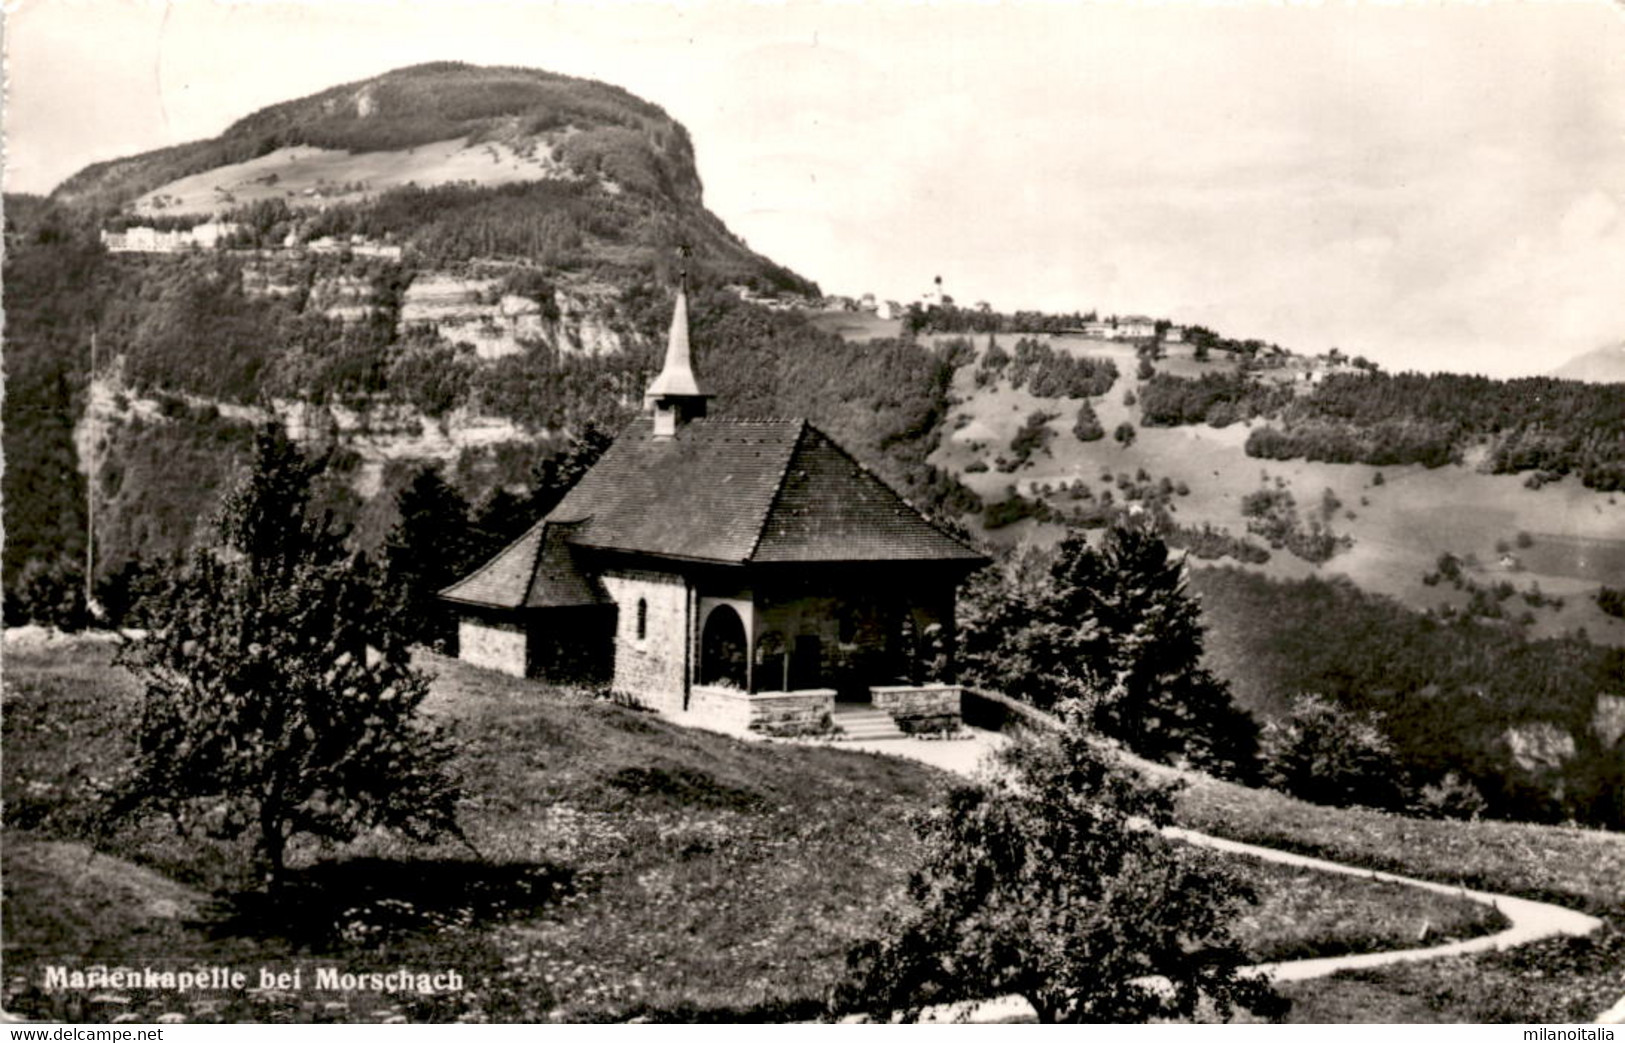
x,y
920,708
806,712
725,709
781,714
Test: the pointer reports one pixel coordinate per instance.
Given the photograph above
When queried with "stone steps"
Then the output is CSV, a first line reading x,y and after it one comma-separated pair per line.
x,y
863,724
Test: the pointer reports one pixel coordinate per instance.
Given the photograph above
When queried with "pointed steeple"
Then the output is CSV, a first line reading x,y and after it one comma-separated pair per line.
x,y
676,396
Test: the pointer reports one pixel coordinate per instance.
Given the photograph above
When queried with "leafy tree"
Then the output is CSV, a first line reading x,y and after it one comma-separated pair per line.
x,y
278,696
48,592
1328,754
1049,881
1124,434
1114,628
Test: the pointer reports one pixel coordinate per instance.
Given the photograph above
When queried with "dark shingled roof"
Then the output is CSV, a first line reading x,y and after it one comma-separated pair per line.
x,y
731,491
538,570
746,491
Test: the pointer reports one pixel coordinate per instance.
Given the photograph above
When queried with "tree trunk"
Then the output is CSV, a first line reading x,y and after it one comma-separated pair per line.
x,y
1045,1013
273,850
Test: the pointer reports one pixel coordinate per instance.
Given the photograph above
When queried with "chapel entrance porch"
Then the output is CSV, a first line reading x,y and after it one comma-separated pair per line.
x,y
786,658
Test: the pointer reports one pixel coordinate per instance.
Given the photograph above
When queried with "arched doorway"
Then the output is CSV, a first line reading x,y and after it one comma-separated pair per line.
x,y
722,648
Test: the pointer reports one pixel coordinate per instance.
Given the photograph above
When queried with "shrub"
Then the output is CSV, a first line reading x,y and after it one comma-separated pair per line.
x,y
1325,754
1450,797
1042,881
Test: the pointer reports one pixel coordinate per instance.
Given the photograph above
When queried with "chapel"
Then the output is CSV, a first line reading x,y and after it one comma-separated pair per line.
x,y
744,573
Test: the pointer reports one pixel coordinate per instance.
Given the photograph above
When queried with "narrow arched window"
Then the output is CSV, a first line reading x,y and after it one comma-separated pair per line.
x,y
643,619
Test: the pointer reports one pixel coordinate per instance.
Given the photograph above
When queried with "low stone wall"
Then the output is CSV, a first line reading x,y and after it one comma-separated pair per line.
x,y
920,708
805,712
492,644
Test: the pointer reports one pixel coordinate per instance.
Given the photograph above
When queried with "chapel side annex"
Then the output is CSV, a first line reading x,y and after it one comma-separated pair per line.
x,y
743,573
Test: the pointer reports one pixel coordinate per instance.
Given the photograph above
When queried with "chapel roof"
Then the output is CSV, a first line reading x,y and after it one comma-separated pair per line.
x,y
746,491
538,570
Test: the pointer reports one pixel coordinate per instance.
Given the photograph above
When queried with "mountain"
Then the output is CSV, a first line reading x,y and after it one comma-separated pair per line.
x,y
420,105
1604,365
588,173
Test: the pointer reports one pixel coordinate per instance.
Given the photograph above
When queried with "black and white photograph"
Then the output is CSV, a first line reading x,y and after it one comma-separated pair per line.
x,y
844,512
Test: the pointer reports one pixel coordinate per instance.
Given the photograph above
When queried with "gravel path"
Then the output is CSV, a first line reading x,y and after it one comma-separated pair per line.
x,y
1530,920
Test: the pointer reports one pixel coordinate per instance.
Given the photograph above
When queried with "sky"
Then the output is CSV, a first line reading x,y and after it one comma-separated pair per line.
x,y
1435,186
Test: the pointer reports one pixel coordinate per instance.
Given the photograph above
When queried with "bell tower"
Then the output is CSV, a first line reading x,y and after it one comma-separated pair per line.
x,y
675,396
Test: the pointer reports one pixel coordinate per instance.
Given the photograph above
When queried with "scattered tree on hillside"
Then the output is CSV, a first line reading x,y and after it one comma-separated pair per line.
x,y
278,696
1050,881
1328,754
1087,427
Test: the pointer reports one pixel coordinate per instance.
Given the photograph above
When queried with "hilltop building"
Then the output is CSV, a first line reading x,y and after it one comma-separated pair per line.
x,y
146,239
743,573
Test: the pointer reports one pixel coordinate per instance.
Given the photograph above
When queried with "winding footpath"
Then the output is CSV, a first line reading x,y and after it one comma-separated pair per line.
x,y
1529,920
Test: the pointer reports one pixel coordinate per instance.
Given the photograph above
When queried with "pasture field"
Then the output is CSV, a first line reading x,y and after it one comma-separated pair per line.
x,y
1400,522
627,868
1565,980
855,325
297,173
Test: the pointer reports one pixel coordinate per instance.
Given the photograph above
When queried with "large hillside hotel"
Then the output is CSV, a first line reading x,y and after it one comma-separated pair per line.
x,y
737,573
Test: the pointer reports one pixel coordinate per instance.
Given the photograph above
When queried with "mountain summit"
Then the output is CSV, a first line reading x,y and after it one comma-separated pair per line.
x,y
587,172
598,130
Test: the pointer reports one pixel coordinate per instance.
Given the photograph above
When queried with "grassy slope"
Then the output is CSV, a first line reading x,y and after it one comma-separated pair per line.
x,y
1399,528
288,173
1303,914
633,868
1560,980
